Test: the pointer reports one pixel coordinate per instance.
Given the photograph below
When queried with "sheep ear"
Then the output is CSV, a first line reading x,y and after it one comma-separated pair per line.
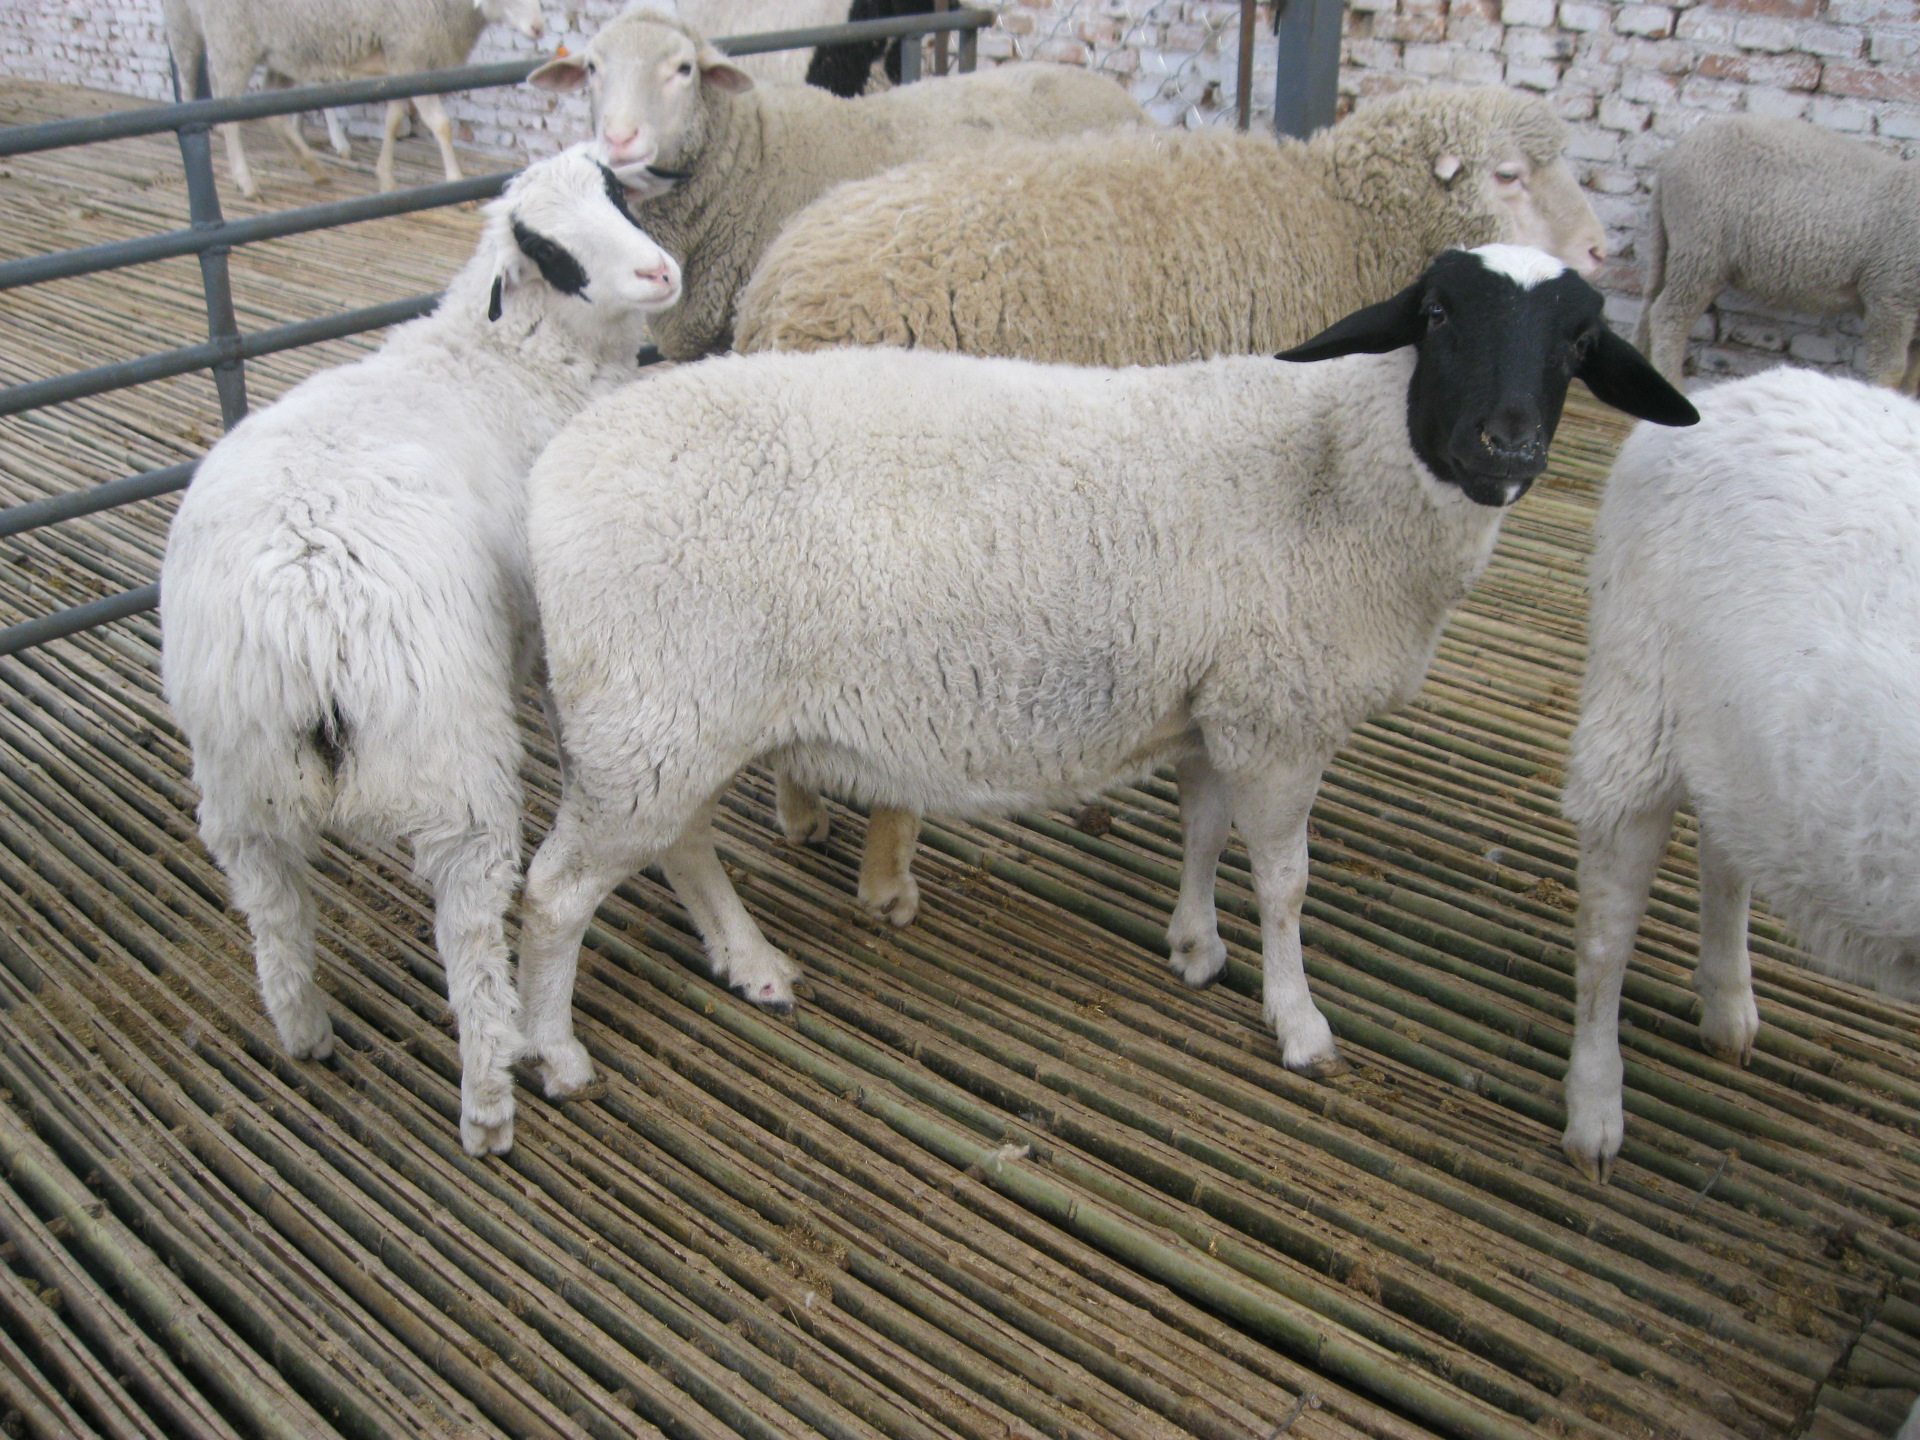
x,y
493,300
1446,167
563,72
1621,377
1372,331
721,73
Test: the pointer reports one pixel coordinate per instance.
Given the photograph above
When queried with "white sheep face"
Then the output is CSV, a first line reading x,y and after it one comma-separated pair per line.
x,y
522,15
643,76
565,221
1542,207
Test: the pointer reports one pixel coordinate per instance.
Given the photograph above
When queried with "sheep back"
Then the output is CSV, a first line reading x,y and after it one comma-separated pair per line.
x,y
1755,647
1010,586
1144,247
773,150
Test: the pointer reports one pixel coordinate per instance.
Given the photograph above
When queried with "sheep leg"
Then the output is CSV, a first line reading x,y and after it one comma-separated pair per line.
x,y
1729,1019
1616,872
574,869
1271,810
269,879
472,875
1688,289
742,958
226,75
287,127
383,166
1194,947
801,812
886,886
337,134
1889,340
434,112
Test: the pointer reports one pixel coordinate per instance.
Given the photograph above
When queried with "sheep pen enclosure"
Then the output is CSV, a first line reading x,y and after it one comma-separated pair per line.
x,y
1000,1174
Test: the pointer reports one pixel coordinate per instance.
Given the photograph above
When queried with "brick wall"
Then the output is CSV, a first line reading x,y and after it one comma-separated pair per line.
x,y
1629,78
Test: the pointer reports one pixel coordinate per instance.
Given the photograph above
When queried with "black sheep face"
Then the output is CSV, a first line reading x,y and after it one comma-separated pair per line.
x,y
1500,332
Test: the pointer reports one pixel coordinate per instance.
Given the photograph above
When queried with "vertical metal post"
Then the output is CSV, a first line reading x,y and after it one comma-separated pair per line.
x,y
203,210
910,57
1243,91
940,41
969,51
1309,78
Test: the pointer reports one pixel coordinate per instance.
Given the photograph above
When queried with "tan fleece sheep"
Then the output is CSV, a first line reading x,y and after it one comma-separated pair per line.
x,y
724,164
1153,247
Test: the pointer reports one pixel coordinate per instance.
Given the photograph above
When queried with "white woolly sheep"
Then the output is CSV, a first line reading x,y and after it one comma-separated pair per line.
x,y
1151,247
1147,248
979,585
314,40
1754,650
730,163
1795,216
347,615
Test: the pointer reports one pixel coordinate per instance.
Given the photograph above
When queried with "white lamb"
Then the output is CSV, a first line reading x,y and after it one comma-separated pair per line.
x,y
1754,650
347,614
980,585
304,41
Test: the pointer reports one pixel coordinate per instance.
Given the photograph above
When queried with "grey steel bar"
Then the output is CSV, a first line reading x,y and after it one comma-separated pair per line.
x,y
1308,83
120,253
123,124
31,516
82,617
909,59
199,357
940,7
969,51
203,211
1243,89
923,24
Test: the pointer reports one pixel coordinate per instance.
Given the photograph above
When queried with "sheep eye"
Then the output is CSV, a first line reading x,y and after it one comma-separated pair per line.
x,y
686,68
1507,174
1436,314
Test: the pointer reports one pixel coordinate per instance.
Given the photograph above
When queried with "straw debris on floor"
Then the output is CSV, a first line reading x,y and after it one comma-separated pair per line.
x,y
999,1175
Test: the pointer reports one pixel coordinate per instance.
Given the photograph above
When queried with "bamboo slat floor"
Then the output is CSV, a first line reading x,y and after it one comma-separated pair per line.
x,y
999,1175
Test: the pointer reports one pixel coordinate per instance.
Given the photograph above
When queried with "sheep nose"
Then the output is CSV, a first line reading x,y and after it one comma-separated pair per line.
x,y
1596,256
661,274
536,28
624,147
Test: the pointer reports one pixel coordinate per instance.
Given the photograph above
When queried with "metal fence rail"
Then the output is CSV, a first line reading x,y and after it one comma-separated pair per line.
x,y
211,237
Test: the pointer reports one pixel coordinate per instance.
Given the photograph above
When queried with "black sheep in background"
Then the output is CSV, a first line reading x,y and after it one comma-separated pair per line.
x,y
845,69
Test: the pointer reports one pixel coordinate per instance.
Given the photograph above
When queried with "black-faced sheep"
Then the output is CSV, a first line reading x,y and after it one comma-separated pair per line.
x,y
347,613
1795,216
1147,248
977,585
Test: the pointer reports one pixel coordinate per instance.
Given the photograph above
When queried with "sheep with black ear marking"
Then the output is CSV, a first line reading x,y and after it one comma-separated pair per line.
x,y
1795,216
347,614
721,164
981,585
1754,650
1148,248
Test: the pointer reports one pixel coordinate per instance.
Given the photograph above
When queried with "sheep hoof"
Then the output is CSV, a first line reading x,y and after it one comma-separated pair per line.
x,y
479,1139
1199,962
1728,1033
1324,1068
304,1028
781,1008
1597,1168
1594,1132
897,902
804,818
565,1069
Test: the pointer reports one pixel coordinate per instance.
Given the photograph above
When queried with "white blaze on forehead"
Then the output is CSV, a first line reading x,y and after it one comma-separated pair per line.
x,y
1522,264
